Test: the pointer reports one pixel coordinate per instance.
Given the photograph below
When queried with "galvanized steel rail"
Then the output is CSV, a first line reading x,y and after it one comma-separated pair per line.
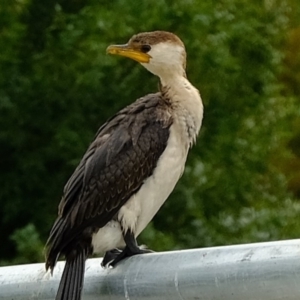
x,y
262,271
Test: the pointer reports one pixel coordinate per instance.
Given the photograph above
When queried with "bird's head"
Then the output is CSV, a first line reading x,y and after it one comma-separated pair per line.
x,y
160,52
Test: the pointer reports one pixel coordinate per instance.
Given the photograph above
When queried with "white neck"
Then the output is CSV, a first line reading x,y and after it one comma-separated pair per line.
x,y
172,77
186,103
168,62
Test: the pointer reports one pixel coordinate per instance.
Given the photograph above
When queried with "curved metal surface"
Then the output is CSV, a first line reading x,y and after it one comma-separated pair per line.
x,y
262,271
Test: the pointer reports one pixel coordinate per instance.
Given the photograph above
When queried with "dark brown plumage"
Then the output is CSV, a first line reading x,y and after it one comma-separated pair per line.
x,y
154,37
124,153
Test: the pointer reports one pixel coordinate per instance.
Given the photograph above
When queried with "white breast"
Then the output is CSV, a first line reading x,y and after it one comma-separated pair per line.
x,y
142,207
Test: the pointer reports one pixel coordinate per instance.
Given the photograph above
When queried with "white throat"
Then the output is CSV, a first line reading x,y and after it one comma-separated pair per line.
x,y
187,106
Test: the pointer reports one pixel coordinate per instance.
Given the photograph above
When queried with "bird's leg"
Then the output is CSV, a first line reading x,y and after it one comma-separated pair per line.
x,y
131,248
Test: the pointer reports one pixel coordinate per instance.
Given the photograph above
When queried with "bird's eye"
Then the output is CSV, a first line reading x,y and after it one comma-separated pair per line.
x,y
145,48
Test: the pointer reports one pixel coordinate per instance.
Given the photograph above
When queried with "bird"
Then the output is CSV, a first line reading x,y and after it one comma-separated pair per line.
x,y
130,168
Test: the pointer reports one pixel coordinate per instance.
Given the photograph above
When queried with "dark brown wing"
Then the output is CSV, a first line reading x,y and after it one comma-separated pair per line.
x,y
123,154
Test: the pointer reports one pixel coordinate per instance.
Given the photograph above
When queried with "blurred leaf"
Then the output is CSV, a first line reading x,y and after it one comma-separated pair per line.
x,y
28,244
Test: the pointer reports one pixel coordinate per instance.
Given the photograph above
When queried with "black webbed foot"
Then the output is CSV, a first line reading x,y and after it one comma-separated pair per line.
x,y
110,256
131,249
127,253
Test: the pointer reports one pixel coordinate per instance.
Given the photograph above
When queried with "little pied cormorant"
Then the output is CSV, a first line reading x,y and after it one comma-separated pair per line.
x,y
130,168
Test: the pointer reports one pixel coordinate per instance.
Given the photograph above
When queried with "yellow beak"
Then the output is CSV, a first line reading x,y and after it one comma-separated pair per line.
x,y
125,50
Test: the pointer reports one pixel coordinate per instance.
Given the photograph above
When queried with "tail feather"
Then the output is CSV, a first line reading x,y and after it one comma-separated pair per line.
x,y
71,283
53,245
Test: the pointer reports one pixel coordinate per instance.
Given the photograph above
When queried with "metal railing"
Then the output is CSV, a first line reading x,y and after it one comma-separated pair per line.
x,y
261,271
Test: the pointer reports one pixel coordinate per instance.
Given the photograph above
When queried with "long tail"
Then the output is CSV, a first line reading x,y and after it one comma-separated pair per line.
x,y
71,283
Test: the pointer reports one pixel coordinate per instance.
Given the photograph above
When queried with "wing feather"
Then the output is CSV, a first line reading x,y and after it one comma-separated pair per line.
x,y
124,153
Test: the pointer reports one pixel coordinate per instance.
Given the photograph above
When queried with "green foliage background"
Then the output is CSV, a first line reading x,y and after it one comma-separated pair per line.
x,y
57,86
